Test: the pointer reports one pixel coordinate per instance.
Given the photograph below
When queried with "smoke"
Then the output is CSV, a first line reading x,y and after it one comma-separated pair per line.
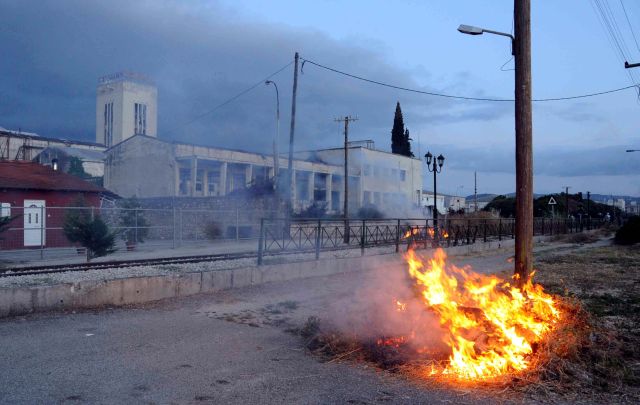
x,y
386,305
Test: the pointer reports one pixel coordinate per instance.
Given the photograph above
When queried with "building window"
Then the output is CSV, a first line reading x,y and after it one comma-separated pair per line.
x,y
5,210
367,197
140,116
403,175
185,181
367,170
199,177
108,124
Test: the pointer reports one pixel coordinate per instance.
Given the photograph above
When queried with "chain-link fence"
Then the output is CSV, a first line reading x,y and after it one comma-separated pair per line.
x,y
36,232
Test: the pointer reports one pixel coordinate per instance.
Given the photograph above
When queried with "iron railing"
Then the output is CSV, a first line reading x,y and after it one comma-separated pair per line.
x,y
316,235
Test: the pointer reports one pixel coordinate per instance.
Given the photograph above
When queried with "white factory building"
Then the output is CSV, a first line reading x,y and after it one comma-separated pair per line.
x,y
134,161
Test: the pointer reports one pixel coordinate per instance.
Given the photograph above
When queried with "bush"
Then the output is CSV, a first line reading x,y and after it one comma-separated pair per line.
x,y
213,230
316,210
369,212
91,233
629,233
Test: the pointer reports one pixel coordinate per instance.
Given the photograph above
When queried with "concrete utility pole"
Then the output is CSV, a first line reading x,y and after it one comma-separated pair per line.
x,y
291,133
566,201
524,141
346,120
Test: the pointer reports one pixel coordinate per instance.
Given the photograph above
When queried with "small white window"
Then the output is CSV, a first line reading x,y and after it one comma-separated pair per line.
x,y
5,210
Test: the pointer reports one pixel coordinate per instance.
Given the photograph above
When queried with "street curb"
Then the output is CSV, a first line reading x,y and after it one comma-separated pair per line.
x,y
137,290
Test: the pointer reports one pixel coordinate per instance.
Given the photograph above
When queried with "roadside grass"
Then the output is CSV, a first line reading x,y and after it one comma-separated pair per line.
x,y
606,282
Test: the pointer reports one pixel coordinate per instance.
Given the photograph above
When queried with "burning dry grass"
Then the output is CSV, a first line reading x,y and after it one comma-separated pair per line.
x,y
590,355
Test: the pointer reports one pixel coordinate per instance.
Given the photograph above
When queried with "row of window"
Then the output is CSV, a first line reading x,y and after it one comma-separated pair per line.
x,y
108,124
140,112
385,172
379,198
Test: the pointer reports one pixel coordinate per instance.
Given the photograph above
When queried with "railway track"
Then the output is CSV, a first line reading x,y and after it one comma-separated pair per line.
x,y
61,268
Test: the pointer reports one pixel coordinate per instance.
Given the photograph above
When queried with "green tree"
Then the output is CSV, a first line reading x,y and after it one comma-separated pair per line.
x,y
407,144
76,168
89,230
400,141
506,206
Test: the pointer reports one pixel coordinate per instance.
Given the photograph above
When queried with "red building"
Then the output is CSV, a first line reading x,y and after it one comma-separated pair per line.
x,y
36,197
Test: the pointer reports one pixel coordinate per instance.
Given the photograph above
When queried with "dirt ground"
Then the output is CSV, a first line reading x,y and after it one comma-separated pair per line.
x,y
605,281
242,346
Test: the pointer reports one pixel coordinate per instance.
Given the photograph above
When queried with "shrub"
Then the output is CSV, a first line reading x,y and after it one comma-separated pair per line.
x,y
91,233
629,233
213,230
369,212
316,210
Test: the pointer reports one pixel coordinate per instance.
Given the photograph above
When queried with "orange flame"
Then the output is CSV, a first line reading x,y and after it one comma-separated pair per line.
x,y
411,232
490,325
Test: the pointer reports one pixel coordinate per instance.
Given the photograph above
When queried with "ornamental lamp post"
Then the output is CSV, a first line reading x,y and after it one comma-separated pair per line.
x,y
434,166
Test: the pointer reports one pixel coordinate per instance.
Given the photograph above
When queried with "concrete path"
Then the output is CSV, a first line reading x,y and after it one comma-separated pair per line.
x,y
228,347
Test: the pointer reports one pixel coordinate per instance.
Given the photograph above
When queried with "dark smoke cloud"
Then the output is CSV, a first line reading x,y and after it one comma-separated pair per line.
x,y
199,55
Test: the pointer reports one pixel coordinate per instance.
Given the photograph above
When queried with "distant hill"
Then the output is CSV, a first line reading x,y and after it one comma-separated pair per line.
x,y
486,197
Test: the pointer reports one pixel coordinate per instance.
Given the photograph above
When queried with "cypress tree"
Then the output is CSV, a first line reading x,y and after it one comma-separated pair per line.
x,y
407,144
397,132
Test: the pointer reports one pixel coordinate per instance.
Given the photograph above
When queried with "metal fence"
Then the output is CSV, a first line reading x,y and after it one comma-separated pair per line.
x,y
37,232
316,235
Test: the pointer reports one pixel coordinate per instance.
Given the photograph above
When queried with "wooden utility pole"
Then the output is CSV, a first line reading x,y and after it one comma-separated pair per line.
x,y
291,133
475,191
346,120
566,201
524,141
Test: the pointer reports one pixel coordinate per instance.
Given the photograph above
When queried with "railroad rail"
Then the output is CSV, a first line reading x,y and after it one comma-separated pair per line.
x,y
77,267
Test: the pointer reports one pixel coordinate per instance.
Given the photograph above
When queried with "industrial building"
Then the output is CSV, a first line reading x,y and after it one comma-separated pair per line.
x,y
135,162
148,167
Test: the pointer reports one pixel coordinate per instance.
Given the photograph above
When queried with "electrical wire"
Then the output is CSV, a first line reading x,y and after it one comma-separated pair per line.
x,y
429,93
624,9
231,99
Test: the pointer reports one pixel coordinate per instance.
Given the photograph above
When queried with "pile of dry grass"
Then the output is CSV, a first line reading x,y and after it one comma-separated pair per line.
x,y
580,357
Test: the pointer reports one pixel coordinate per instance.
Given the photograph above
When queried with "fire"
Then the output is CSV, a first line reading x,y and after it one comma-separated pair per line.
x,y
411,232
490,325
392,341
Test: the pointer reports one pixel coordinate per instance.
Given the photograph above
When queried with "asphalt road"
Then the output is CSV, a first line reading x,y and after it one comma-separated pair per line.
x,y
229,347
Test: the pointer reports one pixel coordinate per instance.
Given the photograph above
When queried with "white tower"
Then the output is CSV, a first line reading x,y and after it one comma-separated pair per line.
x,y
126,105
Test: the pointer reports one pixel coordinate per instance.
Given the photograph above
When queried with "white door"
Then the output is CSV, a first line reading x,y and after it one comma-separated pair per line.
x,y
34,226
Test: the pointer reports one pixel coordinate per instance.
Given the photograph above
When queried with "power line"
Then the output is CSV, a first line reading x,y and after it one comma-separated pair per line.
x,y
364,79
230,100
624,9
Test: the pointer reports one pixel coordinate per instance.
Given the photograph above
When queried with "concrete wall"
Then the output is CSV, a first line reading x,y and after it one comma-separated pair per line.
x,y
137,290
140,166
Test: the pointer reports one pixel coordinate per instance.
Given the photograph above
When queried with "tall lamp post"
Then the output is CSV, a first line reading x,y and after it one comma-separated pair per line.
x,y
276,139
521,50
435,166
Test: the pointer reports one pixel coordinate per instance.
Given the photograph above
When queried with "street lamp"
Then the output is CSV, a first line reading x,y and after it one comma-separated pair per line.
x,y
633,150
471,30
436,168
276,139
521,51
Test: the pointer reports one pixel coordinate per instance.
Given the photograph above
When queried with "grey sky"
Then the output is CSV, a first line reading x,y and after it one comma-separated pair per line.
x,y
202,52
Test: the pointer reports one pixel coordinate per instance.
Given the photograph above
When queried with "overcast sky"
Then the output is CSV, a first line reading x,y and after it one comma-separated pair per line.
x,y
201,53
